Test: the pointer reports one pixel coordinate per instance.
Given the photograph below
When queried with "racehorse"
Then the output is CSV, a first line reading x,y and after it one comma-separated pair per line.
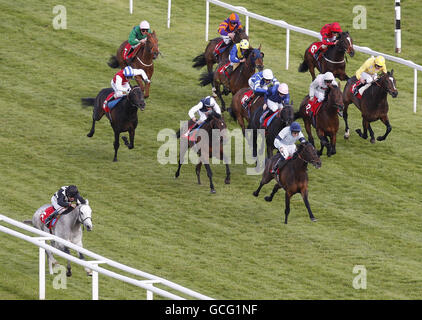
x,y
208,58
67,227
240,113
292,177
143,59
238,78
282,119
326,120
373,105
204,149
332,60
123,117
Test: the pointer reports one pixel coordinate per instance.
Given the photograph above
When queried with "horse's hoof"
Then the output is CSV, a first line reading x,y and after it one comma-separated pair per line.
x,y
90,134
227,181
115,160
314,219
372,140
212,191
359,132
319,153
69,273
268,198
255,193
380,138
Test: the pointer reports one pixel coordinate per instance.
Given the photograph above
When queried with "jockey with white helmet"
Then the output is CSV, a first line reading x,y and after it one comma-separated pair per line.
x,y
138,36
120,84
260,82
319,86
285,143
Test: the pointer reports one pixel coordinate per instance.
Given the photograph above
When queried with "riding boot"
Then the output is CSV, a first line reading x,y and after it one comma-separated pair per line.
x,y
278,165
50,218
127,55
356,90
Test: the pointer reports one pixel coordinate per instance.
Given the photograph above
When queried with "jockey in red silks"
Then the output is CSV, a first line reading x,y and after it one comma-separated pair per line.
x,y
227,29
120,84
329,34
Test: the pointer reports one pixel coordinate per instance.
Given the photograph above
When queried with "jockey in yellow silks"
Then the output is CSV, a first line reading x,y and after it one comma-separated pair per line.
x,y
368,72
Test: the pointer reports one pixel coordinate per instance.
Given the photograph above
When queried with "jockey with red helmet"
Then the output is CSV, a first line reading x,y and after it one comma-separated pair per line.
x,y
227,29
329,34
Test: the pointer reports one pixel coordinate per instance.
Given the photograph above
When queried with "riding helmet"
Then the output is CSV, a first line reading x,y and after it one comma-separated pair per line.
x,y
328,76
71,191
335,27
128,72
380,60
234,18
144,25
208,101
295,127
267,74
283,88
244,44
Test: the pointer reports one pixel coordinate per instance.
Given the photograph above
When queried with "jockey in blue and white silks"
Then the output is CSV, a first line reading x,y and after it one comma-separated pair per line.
x,y
260,82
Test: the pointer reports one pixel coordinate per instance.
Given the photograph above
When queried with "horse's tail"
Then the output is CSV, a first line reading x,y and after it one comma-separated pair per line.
x,y
199,61
28,222
113,62
206,78
88,101
303,67
297,115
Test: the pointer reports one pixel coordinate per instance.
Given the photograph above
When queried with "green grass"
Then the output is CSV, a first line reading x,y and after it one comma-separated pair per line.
x,y
229,245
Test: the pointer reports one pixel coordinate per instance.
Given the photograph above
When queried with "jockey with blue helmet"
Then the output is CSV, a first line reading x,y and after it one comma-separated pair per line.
x,y
204,108
285,143
120,84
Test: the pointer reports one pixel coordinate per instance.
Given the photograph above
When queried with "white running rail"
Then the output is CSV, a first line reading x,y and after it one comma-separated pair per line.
x,y
93,265
288,27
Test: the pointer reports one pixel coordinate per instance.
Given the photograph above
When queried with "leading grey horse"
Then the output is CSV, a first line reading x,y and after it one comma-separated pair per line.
x,y
68,227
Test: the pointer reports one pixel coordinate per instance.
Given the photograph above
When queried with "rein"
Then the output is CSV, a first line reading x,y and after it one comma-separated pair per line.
x,y
146,65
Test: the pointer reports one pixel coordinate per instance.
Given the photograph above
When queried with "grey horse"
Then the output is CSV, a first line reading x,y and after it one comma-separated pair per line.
x,y
67,227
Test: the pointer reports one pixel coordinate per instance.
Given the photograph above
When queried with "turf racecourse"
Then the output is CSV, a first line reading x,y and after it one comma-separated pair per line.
x,y
230,245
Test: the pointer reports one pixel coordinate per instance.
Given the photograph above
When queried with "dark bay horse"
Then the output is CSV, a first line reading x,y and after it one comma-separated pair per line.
x,y
327,122
123,117
208,58
332,60
203,144
373,105
144,59
293,177
283,118
238,78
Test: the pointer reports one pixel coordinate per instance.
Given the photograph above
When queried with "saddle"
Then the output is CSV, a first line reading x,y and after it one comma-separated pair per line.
x,y
45,214
246,100
316,51
127,49
354,89
312,109
266,120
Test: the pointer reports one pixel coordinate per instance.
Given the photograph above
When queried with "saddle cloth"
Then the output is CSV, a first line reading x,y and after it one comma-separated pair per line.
x,y
45,214
352,89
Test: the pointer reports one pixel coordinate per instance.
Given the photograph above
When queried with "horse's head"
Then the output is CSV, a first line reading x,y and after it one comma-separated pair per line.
x,y
388,82
287,115
217,123
240,34
307,152
85,213
345,43
256,58
335,98
136,97
152,45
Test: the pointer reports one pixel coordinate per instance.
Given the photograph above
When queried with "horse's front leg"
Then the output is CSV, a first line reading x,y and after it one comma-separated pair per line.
x,y
219,94
69,268
131,143
333,142
271,196
385,120
346,122
116,144
364,134
198,171
304,194
209,174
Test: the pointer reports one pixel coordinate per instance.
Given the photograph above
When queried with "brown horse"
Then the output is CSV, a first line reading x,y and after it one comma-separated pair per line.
x,y
332,60
292,177
326,121
238,78
373,105
241,114
143,59
208,58
205,151
123,117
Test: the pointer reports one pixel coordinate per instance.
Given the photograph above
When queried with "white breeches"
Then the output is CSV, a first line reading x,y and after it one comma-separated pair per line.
x,y
202,116
226,39
56,206
274,106
120,91
368,77
286,150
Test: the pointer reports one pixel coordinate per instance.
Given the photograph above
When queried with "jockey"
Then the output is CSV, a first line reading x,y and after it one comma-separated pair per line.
x,y
120,84
275,98
137,37
318,89
62,201
237,56
227,29
329,34
368,72
260,82
285,144
204,108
